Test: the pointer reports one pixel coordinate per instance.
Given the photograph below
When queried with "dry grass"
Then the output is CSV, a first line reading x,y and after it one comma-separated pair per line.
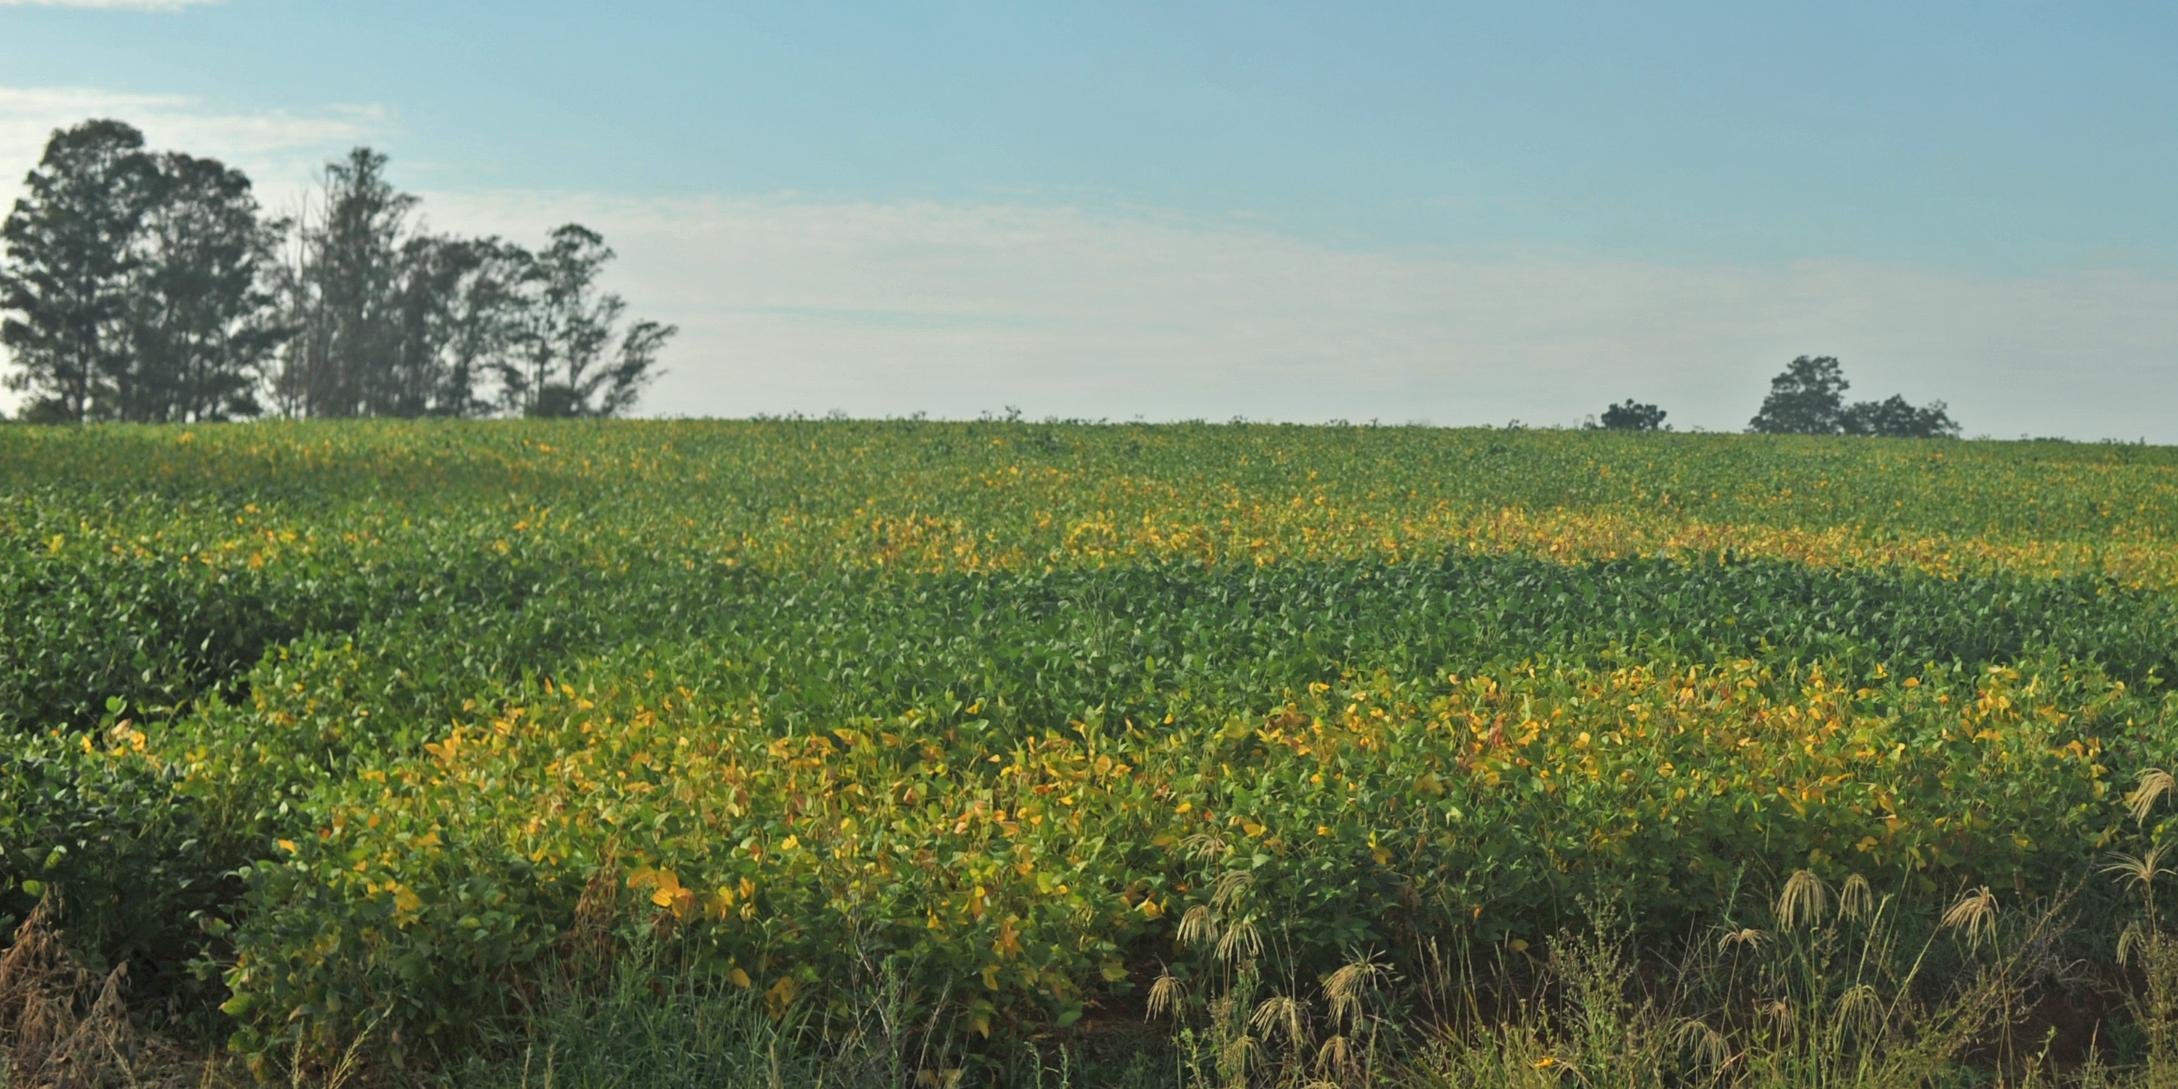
x,y
62,1026
1835,995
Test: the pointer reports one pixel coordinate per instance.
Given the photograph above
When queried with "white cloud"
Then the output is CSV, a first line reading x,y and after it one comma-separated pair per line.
x,y
892,307
280,149
111,5
886,308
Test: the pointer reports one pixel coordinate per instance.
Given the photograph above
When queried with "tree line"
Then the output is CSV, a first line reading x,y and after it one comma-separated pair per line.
x,y
139,285
1808,398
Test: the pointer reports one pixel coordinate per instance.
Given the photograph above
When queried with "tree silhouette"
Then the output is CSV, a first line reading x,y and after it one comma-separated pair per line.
x,y
1807,399
142,286
572,358
71,253
1631,415
203,319
1895,418
340,294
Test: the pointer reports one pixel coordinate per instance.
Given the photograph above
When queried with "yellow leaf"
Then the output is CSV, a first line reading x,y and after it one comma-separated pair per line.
x,y
721,902
781,994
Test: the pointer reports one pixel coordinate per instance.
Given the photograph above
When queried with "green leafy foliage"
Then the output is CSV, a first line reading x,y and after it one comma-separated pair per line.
x,y
381,726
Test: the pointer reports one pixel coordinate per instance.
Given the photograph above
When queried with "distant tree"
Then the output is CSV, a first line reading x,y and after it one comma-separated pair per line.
x,y
483,322
1807,399
341,293
70,260
571,357
1631,415
456,312
1895,418
391,320
203,318
148,287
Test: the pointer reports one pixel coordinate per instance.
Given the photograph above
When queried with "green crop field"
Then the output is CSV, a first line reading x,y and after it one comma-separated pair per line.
x,y
1260,754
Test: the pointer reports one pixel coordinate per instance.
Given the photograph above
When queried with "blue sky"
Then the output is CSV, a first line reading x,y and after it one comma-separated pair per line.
x,y
1461,213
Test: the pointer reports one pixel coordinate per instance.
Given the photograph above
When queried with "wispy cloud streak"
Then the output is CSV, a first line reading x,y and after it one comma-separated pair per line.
x,y
111,5
282,149
891,307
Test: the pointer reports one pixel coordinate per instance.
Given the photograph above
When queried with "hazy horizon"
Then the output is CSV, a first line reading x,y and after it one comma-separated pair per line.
x,y
1409,213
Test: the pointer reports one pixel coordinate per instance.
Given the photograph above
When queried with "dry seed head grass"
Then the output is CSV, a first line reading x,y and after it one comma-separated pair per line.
x,y
2137,942
1335,1058
1346,988
1974,915
1745,936
1279,1013
1204,846
1780,1014
1695,1037
1197,927
1861,1007
1230,886
1803,900
2139,871
1856,899
1241,1054
2154,783
1240,942
1165,996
